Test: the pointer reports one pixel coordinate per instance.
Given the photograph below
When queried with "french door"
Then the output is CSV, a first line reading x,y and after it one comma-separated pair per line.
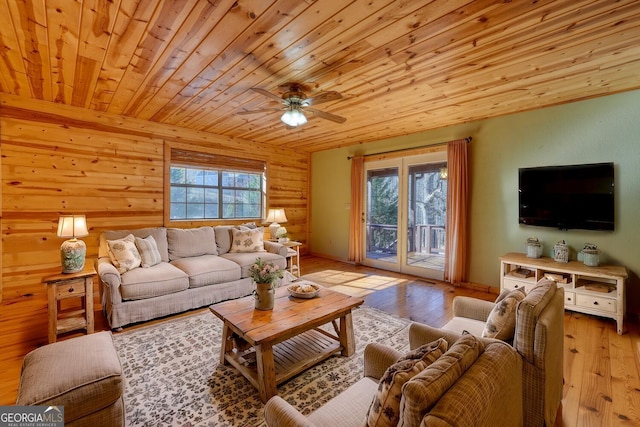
x,y
405,214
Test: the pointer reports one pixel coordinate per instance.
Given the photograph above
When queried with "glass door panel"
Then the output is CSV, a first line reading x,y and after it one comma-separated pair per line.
x,y
381,222
426,219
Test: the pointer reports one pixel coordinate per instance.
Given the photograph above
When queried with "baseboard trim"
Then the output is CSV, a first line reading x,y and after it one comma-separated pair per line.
x,y
331,257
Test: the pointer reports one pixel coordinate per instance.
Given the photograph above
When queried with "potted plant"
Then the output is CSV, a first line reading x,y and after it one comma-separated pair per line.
x,y
265,275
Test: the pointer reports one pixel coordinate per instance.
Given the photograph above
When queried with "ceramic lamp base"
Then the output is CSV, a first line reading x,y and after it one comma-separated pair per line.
x,y
273,228
72,253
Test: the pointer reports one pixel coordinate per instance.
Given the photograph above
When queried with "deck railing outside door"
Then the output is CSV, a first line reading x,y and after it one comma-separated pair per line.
x,y
423,238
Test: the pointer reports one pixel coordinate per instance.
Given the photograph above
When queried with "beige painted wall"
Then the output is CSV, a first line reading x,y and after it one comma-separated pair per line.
x,y
599,130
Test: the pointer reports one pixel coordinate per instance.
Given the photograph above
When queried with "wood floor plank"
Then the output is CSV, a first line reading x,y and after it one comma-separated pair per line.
x,y
595,397
625,383
574,354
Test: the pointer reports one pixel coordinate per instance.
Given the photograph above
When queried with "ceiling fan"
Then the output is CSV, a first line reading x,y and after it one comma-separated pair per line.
x,y
295,103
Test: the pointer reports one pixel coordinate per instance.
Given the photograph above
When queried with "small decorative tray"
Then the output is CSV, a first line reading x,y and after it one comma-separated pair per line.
x,y
303,289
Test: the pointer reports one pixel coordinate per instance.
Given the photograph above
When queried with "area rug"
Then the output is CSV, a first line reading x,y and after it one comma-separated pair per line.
x,y
173,376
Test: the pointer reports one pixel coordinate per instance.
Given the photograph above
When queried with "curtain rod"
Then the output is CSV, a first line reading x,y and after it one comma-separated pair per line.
x,y
468,139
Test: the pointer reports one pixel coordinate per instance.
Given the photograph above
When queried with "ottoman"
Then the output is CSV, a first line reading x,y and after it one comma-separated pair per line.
x,y
81,374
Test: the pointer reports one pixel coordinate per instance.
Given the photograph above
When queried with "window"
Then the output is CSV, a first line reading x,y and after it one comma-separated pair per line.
x,y
205,186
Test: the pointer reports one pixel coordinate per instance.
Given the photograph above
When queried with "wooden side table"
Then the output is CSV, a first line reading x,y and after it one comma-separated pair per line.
x,y
293,257
72,285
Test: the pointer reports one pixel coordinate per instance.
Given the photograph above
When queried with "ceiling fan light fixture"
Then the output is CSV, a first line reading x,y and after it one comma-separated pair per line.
x,y
293,117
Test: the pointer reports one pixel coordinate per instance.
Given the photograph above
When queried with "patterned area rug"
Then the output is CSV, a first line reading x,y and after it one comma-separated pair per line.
x,y
173,376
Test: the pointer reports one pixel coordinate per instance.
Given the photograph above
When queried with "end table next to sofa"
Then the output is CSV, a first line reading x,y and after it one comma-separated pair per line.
x,y
62,286
293,257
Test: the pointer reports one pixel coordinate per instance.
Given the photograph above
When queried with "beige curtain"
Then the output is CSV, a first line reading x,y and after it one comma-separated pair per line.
x,y
455,265
355,221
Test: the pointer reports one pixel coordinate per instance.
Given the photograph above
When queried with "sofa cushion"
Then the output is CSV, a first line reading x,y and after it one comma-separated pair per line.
x,y
422,391
349,408
148,250
385,408
459,324
159,235
208,270
245,259
250,240
501,323
161,279
187,242
124,254
83,374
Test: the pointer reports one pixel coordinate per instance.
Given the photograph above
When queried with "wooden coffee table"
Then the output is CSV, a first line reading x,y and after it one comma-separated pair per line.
x,y
270,347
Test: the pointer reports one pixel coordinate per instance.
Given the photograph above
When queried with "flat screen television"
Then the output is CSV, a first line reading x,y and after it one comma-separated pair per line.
x,y
567,197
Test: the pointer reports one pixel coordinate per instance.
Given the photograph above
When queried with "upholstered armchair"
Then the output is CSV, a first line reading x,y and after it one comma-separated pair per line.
x,y
469,383
538,338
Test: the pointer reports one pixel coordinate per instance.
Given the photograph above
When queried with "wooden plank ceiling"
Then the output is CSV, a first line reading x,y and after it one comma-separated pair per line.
x,y
401,66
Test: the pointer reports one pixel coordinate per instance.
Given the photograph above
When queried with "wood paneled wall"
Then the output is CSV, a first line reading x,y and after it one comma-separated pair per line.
x,y
61,160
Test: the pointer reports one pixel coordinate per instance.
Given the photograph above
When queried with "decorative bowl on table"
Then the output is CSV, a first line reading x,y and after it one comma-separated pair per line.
x,y
303,290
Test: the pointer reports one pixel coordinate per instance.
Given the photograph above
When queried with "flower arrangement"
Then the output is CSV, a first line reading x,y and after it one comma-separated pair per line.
x,y
281,233
265,272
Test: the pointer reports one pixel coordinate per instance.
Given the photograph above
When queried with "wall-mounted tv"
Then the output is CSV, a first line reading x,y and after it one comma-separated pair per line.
x,y
567,197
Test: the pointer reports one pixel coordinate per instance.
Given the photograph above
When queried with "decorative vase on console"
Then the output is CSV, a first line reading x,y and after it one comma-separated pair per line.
x,y
266,277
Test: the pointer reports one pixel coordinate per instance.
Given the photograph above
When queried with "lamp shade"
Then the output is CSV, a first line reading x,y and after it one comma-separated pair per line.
x,y
72,226
276,215
72,251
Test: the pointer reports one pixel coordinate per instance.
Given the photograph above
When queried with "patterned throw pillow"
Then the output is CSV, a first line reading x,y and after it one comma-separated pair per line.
x,y
385,408
247,240
124,254
424,390
148,251
501,323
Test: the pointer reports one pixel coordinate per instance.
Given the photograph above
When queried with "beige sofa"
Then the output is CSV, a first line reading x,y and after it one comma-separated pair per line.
x,y
195,268
539,335
474,383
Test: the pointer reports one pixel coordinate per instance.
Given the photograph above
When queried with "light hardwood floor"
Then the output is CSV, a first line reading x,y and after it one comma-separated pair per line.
x,y
602,385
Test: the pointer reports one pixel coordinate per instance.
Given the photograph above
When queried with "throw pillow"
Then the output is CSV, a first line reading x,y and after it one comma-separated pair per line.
x,y
385,408
124,254
247,240
501,323
506,292
424,390
148,250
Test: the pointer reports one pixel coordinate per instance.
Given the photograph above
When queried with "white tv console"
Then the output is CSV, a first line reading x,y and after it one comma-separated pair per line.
x,y
592,290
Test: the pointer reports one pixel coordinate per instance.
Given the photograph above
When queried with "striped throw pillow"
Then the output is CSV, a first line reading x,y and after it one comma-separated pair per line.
x,y
148,250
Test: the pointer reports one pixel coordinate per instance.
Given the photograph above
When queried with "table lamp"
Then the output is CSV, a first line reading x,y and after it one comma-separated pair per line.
x,y
275,216
72,251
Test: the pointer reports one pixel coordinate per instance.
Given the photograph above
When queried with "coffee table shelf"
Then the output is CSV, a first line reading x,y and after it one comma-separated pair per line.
x,y
291,357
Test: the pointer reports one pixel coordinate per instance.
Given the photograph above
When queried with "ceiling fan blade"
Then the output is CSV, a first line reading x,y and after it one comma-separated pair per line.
x,y
325,115
264,110
267,94
323,97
